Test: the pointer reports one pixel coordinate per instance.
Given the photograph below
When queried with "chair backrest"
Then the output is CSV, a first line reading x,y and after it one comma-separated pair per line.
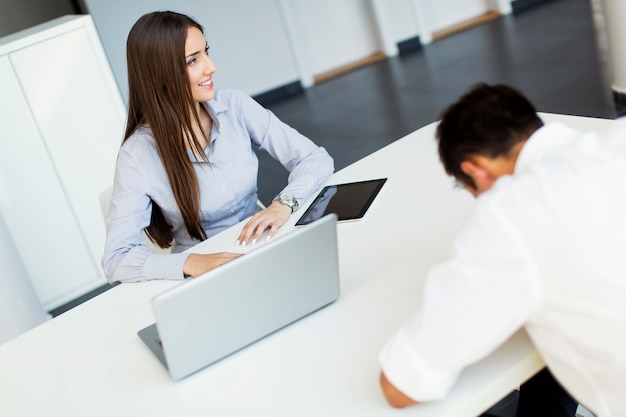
x,y
105,201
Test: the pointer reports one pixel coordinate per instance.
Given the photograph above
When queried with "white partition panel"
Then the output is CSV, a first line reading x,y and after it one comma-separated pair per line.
x,y
61,122
334,33
32,199
79,119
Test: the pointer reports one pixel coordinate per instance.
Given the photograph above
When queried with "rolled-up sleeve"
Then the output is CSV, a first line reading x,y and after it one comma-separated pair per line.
x,y
126,256
309,165
470,305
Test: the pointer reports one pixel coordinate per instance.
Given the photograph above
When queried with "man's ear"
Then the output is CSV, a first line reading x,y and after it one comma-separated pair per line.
x,y
481,174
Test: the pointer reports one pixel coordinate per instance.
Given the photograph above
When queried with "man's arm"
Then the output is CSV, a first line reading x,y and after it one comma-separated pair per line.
x,y
395,397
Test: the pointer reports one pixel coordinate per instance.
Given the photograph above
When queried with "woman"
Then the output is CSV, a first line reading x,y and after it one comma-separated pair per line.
x,y
187,168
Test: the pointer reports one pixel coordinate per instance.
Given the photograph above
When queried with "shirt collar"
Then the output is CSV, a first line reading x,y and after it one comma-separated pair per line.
x,y
214,108
542,142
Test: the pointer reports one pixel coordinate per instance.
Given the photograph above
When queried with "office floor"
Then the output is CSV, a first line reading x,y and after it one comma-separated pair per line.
x,y
552,52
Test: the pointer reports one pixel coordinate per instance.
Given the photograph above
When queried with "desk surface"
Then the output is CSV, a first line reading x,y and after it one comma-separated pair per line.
x,y
90,362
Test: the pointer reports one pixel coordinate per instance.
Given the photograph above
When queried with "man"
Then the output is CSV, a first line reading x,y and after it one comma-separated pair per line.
x,y
544,248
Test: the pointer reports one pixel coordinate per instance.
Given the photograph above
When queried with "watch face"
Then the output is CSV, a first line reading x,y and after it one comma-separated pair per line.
x,y
287,198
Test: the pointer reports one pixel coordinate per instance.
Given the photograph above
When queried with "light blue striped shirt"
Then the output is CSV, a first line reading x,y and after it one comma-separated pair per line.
x,y
228,185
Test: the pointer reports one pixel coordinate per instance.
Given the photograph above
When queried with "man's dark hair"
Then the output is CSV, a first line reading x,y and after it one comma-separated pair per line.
x,y
488,120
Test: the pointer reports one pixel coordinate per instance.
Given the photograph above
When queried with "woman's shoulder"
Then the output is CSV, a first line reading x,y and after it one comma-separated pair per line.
x,y
139,142
229,94
231,97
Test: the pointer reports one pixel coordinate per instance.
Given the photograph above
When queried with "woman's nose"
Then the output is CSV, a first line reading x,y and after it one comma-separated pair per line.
x,y
209,66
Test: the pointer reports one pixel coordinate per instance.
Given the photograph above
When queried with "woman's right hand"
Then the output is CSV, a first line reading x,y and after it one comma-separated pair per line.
x,y
198,263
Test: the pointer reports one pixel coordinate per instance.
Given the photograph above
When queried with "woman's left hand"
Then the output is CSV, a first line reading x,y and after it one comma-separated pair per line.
x,y
274,216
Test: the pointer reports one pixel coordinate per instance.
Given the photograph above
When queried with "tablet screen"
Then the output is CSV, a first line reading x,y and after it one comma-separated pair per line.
x,y
348,201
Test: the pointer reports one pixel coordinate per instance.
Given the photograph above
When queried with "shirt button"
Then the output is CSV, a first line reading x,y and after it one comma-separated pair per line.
x,y
232,210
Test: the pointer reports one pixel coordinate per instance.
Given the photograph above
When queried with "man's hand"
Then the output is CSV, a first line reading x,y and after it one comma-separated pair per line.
x,y
394,397
197,263
270,218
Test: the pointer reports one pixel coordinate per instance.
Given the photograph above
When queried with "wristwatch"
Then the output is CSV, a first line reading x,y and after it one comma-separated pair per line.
x,y
287,200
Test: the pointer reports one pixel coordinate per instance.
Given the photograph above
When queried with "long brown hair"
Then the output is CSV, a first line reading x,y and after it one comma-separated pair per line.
x,y
160,97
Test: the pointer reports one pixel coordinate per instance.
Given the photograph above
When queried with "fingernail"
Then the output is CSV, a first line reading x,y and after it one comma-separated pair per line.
x,y
244,243
253,242
238,243
268,237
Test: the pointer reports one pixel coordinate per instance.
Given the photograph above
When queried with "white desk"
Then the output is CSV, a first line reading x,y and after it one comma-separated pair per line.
x,y
90,362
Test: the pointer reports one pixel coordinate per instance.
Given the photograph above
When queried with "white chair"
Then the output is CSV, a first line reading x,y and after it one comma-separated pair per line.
x,y
105,201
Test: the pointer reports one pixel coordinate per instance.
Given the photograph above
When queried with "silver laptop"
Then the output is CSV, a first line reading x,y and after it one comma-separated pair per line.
x,y
207,318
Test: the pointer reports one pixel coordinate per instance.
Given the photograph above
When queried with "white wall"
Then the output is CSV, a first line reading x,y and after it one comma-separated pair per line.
x,y
333,33
247,40
259,45
399,20
256,45
445,13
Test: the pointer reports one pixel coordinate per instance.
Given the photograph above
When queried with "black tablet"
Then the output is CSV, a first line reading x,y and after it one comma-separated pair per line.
x,y
348,201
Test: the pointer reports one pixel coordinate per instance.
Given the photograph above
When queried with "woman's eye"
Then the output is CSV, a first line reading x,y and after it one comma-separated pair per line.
x,y
192,61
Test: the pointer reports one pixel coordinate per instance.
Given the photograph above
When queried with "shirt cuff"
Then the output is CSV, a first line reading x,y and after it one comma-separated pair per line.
x,y
165,266
409,373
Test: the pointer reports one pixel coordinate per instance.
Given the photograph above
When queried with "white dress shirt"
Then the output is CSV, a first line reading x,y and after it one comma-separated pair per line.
x,y
544,248
228,184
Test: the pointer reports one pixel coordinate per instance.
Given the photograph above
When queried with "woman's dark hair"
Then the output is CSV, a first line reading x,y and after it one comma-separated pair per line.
x,y
160,98
488,120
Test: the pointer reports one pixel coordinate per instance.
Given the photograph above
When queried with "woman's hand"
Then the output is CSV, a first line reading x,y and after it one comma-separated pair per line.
x,y
198,263
270,218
